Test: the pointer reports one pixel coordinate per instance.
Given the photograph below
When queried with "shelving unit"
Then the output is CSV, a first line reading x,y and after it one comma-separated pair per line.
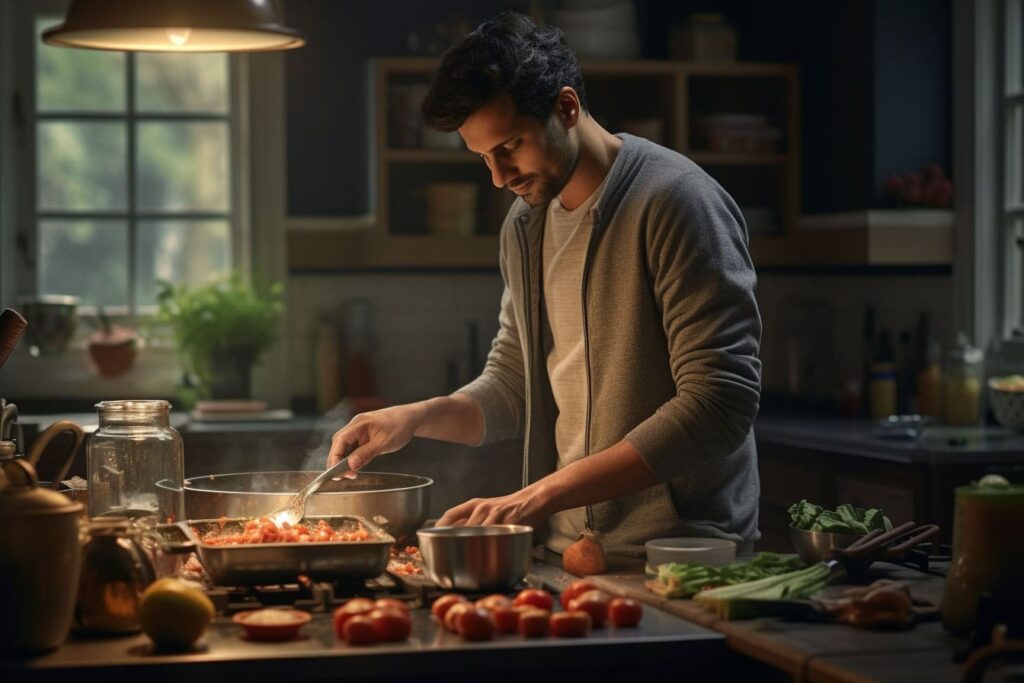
x,y
428,215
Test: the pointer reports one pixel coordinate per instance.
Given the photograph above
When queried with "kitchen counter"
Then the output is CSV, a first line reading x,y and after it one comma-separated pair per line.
x,y
661,640
827,652
936,445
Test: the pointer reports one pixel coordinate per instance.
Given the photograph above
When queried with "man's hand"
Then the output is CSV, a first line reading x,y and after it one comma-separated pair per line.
x,y
368,435
521,507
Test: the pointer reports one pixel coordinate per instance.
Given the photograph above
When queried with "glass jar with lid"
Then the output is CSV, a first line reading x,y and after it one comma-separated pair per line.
x,y
965,369
134,448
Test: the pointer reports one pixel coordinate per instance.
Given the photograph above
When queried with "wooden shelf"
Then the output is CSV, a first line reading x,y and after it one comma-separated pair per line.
x,y
737,158
432,156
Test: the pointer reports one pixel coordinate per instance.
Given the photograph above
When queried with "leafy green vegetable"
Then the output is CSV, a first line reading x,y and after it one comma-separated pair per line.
x,y
846,519
739,601
227,315
681,580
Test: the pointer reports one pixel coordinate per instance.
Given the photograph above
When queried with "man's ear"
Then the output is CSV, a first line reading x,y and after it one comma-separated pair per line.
x,y
567,107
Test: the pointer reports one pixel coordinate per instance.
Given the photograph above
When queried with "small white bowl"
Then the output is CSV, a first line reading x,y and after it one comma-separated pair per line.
x,y
709,551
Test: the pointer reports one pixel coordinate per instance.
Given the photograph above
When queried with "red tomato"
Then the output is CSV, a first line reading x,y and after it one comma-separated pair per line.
x,y
569,624
359,631
352,608
506,618
574,590
536,597
391,603
533,623
390,625
475,624
443,603
623,612
493,602
594,603
453,612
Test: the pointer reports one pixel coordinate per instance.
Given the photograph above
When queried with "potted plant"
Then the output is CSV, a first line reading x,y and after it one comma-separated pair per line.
x,y
221,329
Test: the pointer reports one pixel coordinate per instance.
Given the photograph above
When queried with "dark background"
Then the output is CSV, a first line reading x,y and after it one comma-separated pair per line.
x,y
875,77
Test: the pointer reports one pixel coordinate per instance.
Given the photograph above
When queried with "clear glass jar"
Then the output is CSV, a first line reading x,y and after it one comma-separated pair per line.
x,y
965,369
134,448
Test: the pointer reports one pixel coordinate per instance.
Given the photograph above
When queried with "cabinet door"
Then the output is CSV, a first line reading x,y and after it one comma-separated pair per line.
x,y
898,501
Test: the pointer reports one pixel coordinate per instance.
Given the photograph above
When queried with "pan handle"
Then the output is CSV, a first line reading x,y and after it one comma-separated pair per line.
x,y
172,539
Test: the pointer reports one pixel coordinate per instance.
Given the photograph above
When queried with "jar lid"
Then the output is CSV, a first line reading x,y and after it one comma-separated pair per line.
x,y
994,487
143,406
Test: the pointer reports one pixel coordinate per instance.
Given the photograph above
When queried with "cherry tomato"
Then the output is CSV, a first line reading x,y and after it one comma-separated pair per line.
x,y
443,603
475,624
390,625
506,618
533,623
359,631
353,608
623,612
575,589
594,603
493,602
391,603
453,612
569,624
536,597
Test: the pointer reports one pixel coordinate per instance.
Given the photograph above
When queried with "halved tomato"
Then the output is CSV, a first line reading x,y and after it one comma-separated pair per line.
x,y
494,601
506,618
453,612
575,589
623,612
534,596
533,622
594,603
352,608
390,625
475,624
443,603
359,631
569,624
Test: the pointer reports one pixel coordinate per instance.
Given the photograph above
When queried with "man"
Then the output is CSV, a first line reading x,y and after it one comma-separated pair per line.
x,y
627,351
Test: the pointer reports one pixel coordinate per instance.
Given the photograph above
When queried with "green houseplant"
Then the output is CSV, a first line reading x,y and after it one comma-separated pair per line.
x,y
221,329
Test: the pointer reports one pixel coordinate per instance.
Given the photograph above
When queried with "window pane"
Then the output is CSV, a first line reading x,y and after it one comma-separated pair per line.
x,y
79,80
1014,49
87,258
179,81
181,251
1015,156
183,166
1015,274
81,165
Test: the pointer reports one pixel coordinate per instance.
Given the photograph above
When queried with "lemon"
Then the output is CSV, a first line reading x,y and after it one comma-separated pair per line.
x,y
174,614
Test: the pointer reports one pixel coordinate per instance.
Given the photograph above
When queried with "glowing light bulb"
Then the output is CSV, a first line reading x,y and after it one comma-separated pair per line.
x,y
178,36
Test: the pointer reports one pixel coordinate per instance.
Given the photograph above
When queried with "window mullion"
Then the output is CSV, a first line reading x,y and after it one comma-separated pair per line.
x,y
132,200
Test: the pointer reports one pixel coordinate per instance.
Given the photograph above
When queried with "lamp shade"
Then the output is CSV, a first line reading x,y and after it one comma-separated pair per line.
x,y
173,26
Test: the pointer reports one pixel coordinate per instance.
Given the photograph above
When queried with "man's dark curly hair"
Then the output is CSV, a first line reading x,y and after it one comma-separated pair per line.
x,y
507,54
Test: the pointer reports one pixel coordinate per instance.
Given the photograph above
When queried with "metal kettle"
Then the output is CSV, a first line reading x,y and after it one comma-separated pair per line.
x,y
40,557
988,555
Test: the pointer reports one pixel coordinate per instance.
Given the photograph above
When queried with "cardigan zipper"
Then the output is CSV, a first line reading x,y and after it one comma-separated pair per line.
x,y
586,350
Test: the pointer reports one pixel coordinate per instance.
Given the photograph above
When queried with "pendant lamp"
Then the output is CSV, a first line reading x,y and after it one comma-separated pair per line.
x,y
173,26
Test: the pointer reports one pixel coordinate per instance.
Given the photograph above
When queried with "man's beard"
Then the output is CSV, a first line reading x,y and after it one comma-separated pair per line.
x,y
549,184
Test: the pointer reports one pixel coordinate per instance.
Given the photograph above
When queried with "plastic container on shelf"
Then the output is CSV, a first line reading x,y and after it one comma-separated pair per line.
x,y
134,448
705,37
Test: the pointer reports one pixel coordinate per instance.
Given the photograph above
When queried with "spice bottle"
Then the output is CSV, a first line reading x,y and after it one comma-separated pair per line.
x,y
964,371
882,386
929,381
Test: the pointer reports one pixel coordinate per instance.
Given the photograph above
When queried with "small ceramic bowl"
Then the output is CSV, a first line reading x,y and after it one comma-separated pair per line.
x,y
272,624
709,551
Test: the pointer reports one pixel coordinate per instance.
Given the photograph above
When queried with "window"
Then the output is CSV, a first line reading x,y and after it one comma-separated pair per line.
x,y
127,169
1012,218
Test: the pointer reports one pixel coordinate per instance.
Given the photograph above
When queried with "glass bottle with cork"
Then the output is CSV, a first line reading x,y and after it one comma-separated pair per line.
x,y
883,380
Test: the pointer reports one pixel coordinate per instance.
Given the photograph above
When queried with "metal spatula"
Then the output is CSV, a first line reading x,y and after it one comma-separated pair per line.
x,y
293,511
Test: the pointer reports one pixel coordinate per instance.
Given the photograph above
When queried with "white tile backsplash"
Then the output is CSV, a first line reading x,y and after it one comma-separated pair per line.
x,y
812,324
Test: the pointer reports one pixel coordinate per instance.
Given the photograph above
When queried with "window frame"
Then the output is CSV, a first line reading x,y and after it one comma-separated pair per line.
x,y
24,146
987,304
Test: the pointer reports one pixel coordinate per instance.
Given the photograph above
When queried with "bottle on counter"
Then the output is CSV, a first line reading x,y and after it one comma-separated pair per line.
x,y
930,380
883,379
964,373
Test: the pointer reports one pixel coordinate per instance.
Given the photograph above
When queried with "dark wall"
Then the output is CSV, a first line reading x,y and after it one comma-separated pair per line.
x,y
327,89
876,85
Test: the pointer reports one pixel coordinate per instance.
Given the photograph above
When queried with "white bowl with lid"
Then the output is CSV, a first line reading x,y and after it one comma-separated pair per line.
x,y
713,552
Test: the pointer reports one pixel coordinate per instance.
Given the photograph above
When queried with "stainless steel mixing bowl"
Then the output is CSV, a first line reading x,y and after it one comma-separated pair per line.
x,y
475,558
812,546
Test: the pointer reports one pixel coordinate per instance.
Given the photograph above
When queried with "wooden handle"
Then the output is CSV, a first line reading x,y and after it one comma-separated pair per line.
x,y
12,326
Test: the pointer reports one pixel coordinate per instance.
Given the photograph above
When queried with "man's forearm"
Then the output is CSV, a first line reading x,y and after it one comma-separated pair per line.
x,y
614,472
456,418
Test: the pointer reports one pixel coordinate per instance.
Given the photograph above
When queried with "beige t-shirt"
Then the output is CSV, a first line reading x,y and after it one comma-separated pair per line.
x,y
566,236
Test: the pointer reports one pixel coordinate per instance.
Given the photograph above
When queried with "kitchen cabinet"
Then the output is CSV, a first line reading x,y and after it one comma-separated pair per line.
x,y
433,203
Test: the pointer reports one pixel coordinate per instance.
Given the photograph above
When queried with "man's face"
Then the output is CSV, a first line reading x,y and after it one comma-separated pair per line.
x,y
530,158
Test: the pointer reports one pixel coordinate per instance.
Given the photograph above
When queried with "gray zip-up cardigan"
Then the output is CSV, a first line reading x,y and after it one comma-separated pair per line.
x,y
671,335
